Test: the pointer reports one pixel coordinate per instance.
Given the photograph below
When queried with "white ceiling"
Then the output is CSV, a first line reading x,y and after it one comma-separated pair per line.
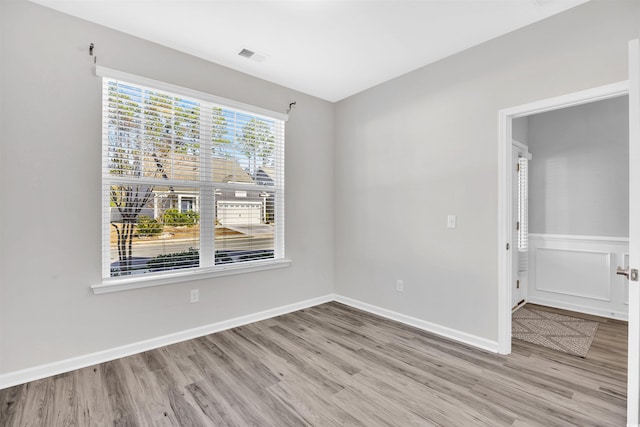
x,y
329,49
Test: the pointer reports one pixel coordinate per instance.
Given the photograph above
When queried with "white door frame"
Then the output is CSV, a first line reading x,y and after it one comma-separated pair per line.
x,y
633,350
505,257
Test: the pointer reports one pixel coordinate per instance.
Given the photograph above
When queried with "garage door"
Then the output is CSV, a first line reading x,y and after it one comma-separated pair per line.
x,y
239,213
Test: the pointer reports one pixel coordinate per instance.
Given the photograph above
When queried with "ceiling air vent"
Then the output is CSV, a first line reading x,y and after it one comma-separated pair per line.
x,y
246,53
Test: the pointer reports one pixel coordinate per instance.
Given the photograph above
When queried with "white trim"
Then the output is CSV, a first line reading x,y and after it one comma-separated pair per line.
x,y
443,331
600,93
573,294
11,379
625,264
30,374
147,280
520,145
505,258
633,364
587,239
579,308
505,141
609,302
191,93
519,306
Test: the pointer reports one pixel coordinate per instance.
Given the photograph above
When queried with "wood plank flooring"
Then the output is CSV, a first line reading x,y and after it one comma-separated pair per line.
x,y
334,365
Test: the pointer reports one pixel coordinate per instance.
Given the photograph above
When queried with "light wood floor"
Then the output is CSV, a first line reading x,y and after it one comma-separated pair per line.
x,y
333,365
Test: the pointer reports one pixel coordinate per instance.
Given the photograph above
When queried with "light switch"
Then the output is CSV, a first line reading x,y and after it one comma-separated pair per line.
x,y
451,221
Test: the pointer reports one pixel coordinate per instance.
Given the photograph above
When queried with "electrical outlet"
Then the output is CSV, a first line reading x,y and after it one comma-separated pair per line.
x,y
399,285
195,295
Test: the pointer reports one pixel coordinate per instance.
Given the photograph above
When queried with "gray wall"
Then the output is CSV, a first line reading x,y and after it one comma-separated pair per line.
x,y
424,145
579,175
384,167
50,233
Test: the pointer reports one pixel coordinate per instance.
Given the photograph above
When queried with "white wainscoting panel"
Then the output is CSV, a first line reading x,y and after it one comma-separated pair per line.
x,y
578,273
585,274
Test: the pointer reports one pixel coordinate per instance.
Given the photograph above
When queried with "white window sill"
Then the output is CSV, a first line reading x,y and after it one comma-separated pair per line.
x,y
125,284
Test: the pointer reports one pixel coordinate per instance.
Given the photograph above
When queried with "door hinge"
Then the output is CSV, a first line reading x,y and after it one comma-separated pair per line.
x,y
518,225
507,246
518,167
517,284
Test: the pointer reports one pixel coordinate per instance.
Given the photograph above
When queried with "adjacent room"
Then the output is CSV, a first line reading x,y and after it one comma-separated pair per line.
x,y
571,229
578,208
305,212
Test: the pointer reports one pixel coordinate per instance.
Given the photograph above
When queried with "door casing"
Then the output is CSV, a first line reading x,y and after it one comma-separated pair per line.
x,y
505,256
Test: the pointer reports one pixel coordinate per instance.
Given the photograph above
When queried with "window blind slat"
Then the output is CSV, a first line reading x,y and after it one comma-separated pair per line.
x,y
189,93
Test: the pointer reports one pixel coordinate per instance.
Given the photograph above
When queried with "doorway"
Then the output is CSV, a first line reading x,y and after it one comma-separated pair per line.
x,y
570,220
631,88
506,252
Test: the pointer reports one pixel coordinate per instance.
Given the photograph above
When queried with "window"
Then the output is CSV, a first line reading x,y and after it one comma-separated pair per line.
x,y
523,214
184,181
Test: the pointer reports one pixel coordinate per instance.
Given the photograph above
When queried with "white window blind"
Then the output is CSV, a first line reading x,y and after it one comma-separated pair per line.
x,y
523,214
188,184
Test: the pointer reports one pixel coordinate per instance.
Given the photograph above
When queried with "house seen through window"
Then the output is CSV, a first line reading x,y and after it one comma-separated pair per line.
x,y
187,184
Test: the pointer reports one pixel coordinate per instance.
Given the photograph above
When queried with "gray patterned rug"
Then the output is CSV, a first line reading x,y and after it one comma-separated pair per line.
x,y
556,331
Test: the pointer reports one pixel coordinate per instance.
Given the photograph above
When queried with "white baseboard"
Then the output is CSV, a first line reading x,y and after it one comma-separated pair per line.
x,y
443,331
579,308
43,371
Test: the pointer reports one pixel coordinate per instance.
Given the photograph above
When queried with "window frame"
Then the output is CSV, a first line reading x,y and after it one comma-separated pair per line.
x,y
119,283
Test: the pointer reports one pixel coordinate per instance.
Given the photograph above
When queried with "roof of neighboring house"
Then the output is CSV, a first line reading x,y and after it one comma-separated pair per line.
x,y
224,170
227,170
265,174
267,170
